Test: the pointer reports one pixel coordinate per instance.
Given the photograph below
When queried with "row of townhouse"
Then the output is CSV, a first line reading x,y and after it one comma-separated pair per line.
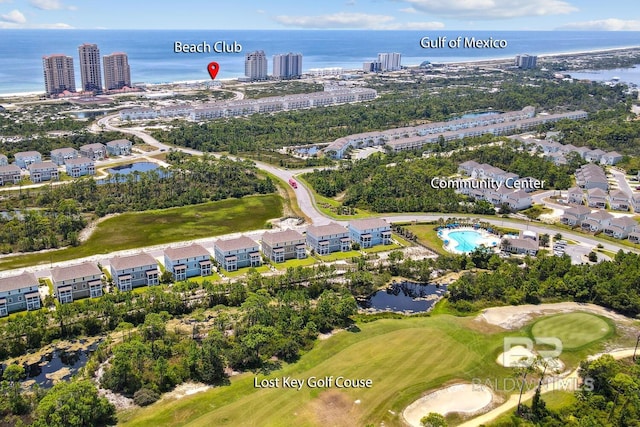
x,y
245,107
591,176
477,170
598,198
517,200
86,280
557,152
601,221
411,138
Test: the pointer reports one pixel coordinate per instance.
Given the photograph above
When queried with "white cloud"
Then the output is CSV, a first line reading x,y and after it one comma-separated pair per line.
x,y
13,17
611,24
56,26
492,9
355,21
50,5
409,10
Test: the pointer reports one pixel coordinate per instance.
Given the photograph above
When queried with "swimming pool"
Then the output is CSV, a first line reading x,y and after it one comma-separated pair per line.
x,y
467,241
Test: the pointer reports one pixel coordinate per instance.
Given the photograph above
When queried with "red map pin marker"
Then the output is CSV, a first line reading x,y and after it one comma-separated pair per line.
x,y
213,69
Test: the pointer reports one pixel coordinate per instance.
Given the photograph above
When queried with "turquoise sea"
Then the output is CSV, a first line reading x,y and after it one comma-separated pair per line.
x,y
153,60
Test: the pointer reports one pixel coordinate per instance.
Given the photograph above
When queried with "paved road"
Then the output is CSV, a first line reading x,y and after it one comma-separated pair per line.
x,y
622,181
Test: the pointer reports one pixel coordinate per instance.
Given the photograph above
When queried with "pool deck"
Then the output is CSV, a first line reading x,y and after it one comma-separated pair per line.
x,y
486,238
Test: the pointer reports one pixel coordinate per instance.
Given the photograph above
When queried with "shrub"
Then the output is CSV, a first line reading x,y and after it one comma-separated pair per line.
x,y
145,397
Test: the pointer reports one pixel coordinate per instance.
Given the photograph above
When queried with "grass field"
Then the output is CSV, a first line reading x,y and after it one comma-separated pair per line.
x,y
138,229
428,236
575,330
554,400
403,358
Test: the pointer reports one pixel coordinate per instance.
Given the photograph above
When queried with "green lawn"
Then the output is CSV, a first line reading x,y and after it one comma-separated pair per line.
x,y
403,358
381,248
554,400
338,256
428,236
575,330
304,262
138,229
324,204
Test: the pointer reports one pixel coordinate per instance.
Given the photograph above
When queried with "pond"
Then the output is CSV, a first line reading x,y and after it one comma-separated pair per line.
x,y
89,114
404,297
56,365
128,169
625,75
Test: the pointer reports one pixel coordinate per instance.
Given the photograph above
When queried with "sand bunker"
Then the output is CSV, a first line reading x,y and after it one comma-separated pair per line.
x,y
462,398
516,356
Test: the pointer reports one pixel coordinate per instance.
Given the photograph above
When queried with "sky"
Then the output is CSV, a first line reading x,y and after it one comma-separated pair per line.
x,y
597,15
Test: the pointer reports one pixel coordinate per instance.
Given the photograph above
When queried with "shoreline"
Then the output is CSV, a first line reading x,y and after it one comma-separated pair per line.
x,y
471,61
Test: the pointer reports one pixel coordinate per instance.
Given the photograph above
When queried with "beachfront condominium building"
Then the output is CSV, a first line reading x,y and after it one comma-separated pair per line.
x,y
255,65
90,67
389,61
117,73
526,62
58,74
287,65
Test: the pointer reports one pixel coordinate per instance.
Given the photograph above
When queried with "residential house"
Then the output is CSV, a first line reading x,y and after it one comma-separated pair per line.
x,y
594,156
597,198
95,151
575,196
591,176
518,200
19,293
619,200
77,281
621,227
59,156
582,151
634,236
119,147
133,271
370,232
468,167
80,166
4,161
635,202
9,174
325,239
596,221
497,196
574,216
283,245
187,261
611,158
232,254
44,171
25,158
520,245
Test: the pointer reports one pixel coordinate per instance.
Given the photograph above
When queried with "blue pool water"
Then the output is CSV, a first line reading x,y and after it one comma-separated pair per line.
x,y
467,241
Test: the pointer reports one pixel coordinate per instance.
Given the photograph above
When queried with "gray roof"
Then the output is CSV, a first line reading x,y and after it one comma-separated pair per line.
x,y
78,161
13,283
578,210
596,192
599,215
62,151
27,154
326,230
242,242
117,142
94,146
191,251
9,169
132,261
42,166
85,269
281,237
624,221
523,243
369,223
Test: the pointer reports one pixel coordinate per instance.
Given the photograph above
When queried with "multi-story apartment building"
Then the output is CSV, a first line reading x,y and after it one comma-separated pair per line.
x,y
58,74
370,232
119,147
59,156
117,73
287,65
232,254
187,261
25,158
325,239
90,73
95,151
9,174
77,281
19,293
80,166
255,65
283,245
133,271
43,171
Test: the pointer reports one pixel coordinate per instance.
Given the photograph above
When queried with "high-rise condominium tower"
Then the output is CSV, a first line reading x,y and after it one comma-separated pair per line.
x,y
90,67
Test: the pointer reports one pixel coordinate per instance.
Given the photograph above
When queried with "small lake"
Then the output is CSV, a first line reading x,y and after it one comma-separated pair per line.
x,y
626,75
128,169
404,297
59,364
88,114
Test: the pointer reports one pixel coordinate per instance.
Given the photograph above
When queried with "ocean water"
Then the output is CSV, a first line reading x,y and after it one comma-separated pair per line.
x,y
153,60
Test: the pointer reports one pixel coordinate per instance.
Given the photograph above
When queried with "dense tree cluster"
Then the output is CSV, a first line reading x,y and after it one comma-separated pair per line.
x,y
614,284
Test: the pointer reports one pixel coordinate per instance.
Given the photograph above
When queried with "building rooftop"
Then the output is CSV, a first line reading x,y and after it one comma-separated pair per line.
x,y
191,251
65,150
132,261
326,230
85,269
94,146
281,237
9,169
42,166
369,223
242,242
78,161
13,283
117,142
27,154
